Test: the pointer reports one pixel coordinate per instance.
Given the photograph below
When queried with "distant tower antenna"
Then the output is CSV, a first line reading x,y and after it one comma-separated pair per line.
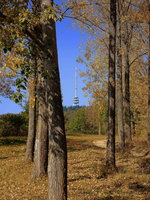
x,y
76,99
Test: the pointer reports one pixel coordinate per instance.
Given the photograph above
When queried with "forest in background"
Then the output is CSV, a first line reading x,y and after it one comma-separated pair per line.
x,y
78,120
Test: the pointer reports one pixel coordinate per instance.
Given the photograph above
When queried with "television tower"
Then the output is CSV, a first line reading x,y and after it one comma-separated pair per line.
x,y
76,99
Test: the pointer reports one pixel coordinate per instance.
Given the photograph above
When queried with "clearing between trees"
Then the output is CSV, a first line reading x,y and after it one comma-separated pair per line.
x,y
87,175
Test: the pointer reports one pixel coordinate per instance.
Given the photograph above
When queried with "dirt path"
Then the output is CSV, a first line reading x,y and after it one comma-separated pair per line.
x,y
135,152
100,143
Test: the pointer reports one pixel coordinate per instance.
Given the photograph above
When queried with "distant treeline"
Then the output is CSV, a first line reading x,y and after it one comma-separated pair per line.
x,y
85,119
78,119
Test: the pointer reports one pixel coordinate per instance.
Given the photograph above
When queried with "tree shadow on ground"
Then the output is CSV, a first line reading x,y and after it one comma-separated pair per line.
x,y
11,142
3,158
110,198
144,165
80,178
105,198
139,187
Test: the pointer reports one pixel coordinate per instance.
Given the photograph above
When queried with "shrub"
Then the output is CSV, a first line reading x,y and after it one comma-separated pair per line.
x,y
13,124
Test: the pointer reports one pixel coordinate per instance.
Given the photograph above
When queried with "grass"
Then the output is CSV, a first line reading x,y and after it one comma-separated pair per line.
x,y
87,175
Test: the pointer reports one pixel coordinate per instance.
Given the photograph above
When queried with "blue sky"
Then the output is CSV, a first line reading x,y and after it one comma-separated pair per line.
x,y
68,42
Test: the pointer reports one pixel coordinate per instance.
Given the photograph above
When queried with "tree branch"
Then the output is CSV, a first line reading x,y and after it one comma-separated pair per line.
x,y
137,57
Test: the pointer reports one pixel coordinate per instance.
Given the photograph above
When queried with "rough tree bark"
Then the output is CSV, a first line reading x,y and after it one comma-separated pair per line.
x,y
110,152
41,144
57,157
119,77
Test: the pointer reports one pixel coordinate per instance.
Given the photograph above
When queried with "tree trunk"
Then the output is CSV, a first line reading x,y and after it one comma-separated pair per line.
x,y
41,145
133,128
127,122
57,157
110,153
149,84
32,125
119,78
99,128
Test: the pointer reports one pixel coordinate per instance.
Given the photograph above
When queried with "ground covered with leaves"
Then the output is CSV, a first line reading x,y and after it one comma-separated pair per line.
x,y
87,174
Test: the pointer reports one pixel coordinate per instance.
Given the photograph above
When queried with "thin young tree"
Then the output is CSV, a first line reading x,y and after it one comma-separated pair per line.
x,y
119,76
127,104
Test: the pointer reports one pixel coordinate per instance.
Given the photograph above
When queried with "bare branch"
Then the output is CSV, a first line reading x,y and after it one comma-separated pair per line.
x,y
138,57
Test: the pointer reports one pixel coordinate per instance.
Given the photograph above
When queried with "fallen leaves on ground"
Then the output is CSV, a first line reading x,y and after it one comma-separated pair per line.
x,y
87,174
